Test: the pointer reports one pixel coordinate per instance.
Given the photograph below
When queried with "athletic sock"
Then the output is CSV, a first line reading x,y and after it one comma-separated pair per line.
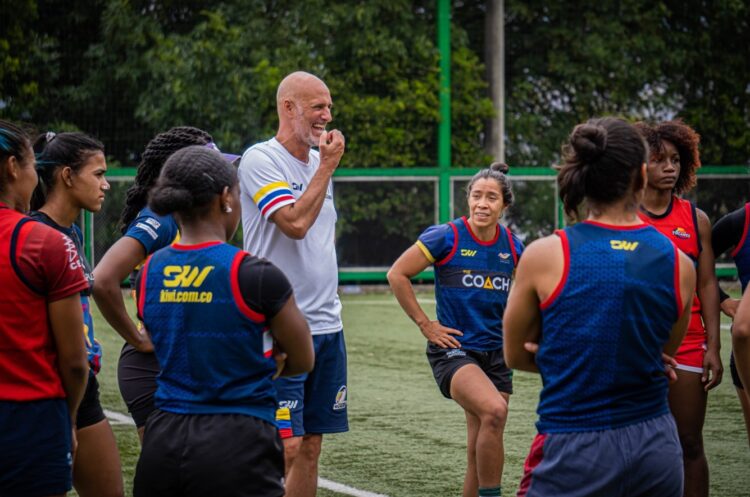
x,y
490,491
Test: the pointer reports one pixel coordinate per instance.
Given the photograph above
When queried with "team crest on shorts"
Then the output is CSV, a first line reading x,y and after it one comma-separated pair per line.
x,y
340,402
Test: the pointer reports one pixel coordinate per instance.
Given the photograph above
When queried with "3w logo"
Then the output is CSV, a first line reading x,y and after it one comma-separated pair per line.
x,y
184,276
468,253
623,245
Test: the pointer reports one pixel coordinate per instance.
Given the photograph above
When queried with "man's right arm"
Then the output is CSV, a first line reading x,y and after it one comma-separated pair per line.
x,y
295,219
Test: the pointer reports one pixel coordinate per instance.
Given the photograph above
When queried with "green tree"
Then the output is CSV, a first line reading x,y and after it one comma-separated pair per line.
x,y
709,67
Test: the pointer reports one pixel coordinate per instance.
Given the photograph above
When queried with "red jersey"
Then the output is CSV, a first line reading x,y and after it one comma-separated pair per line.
x,y
680,224
38,265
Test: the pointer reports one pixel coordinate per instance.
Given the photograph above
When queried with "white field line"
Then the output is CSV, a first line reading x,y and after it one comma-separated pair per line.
x,y
117,418
383,302
345,489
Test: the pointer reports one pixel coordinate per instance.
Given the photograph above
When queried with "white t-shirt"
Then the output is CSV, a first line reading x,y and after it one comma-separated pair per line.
x,y
270,178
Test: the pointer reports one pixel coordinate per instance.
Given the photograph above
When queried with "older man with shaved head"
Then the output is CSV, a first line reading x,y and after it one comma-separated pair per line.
x,y
288,217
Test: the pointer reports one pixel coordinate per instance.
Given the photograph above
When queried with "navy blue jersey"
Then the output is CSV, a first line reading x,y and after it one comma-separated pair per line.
x,y
472,280
604,329
741,253
214,351
152,230
93,348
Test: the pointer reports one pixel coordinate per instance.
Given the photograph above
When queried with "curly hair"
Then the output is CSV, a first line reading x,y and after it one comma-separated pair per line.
x,y
157,152
685,140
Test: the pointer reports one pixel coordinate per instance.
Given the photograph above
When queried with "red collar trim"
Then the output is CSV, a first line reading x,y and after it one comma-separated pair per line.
x,y
197,246
476,239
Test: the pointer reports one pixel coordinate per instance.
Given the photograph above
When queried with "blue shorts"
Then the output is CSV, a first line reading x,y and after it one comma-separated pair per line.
x,y
35,459
315,402
639,460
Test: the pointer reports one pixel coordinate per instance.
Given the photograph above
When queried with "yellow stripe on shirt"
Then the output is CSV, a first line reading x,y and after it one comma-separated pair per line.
x,y
271,186
425,251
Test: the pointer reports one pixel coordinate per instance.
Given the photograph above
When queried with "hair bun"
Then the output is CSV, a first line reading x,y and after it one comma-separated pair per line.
x,y
168,198
589,141
501,167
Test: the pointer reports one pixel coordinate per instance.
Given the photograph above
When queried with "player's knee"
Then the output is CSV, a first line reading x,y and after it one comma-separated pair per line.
x,y
495,416
692,446
311,447
291,448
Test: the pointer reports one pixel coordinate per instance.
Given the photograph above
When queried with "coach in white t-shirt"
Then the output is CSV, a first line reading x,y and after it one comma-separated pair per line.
x,y
289,218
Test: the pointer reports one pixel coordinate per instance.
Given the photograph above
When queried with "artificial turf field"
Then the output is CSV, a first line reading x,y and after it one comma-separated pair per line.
x,y
405,439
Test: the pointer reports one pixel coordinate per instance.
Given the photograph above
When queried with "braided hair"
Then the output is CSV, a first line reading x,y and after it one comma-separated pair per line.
x,y
157,152
191,178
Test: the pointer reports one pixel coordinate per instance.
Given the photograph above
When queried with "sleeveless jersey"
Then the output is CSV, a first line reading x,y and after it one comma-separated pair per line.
x,y
604,328
28,369
680,224
472,280
93,348
214,351
741,253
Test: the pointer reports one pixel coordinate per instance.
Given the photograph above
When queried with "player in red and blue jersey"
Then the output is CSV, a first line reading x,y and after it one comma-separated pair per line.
x,y
593,309
144,232
474,259
214,313
71,169
732,232
673,161
43,366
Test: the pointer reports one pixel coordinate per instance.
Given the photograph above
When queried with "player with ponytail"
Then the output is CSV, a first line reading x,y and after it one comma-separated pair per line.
x,y
213,431
474,259
594,308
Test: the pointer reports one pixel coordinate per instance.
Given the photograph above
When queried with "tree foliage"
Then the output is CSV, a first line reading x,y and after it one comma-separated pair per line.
x,y
124,70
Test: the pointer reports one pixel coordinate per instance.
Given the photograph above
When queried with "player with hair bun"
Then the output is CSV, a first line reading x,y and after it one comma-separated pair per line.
x,y
593,308
214,313
474,259
672,164
144,232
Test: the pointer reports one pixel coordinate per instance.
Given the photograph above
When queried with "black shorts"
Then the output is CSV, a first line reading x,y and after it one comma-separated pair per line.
x,y
136,376
90,411
445,363
231,455
735,374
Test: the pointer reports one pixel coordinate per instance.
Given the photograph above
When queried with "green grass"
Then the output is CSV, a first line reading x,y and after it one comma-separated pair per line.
x,y
405,439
